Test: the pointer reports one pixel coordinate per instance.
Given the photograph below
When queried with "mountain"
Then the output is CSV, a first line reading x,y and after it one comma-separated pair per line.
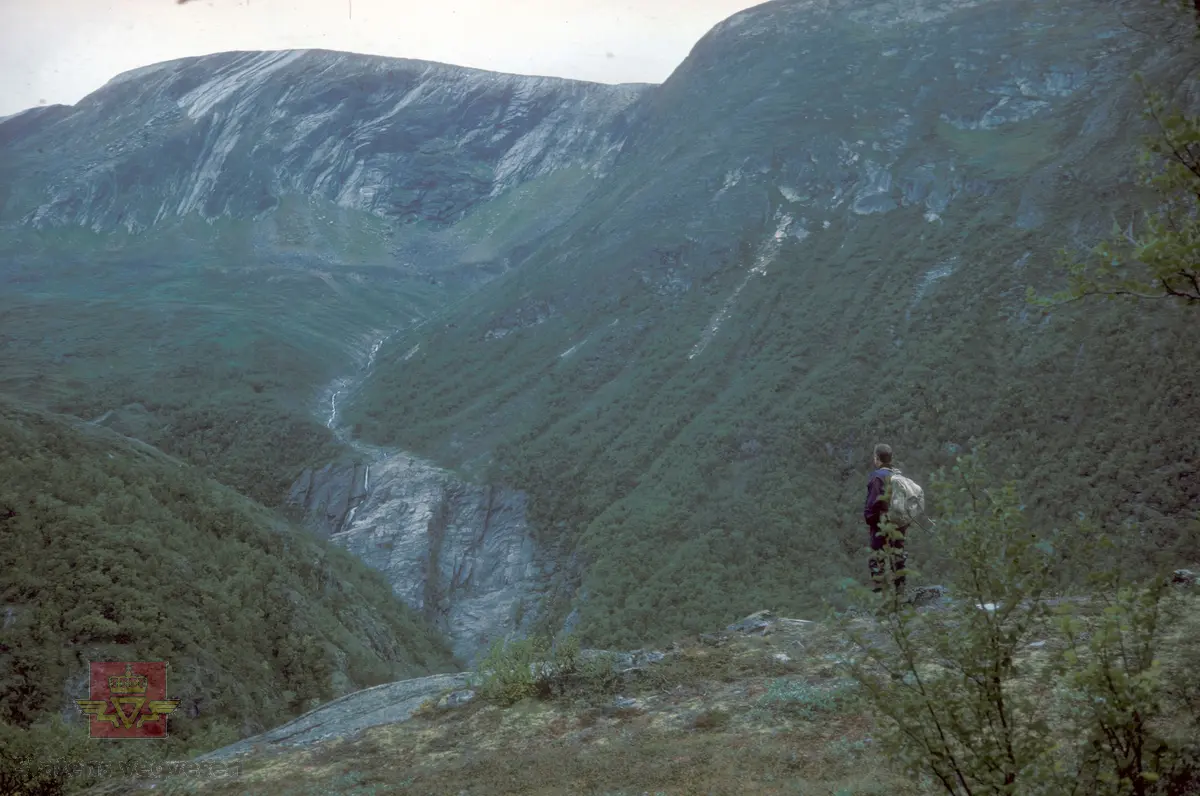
x,y
195,250
659,328
113,550
818,235
230,135
202,254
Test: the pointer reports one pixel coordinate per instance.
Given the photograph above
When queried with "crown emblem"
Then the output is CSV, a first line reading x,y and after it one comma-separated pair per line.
x,y
128,683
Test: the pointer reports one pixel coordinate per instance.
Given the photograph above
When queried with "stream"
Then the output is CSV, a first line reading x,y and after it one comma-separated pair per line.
x,y
337,392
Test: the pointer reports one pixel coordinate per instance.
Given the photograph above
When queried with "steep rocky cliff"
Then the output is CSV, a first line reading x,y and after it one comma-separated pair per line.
x,y
461,554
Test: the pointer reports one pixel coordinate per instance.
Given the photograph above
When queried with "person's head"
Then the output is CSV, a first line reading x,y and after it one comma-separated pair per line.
x,y
883,455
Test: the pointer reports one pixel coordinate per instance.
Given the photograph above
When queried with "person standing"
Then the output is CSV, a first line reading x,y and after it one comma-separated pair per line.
x,y
887,538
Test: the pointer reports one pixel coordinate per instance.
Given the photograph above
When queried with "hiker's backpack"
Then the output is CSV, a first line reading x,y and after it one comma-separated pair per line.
x,y
907,501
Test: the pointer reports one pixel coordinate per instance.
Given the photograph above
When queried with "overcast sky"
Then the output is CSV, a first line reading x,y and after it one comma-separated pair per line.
x,y
56,51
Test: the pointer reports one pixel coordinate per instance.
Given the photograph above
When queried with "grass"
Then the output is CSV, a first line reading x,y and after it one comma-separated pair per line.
x,y
726,714
626,759
696,729
806,699
519,212
220,349
1011,151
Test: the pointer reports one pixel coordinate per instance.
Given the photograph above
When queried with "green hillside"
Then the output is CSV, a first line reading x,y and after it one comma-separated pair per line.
x,y
689,377
114,551
202,340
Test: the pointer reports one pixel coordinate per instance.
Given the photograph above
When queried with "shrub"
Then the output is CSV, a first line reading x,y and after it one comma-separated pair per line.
x,y
963,700
1113,691
714,719
943,682
806,699
523,668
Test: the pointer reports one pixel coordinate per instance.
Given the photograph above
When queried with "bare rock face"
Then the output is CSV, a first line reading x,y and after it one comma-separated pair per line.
x,y
230,134
460,553
384,704
326,494
928,595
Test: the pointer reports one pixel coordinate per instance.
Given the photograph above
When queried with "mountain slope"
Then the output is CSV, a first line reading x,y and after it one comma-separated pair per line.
x,y
195,250
818,236
114,551
230,134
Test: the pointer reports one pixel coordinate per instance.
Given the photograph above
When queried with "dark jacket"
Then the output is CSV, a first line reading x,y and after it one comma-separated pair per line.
x,y
877,493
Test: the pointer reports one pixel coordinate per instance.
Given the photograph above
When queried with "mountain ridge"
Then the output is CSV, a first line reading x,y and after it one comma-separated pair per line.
x,y
206,108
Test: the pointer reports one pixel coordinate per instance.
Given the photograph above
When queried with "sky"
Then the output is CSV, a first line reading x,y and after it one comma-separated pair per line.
x,y
57,51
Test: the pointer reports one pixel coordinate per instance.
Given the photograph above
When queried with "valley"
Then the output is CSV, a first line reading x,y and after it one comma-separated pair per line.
x,y
530,357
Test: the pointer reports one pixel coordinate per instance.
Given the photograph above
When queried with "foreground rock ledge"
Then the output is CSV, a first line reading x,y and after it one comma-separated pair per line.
x,y
383,704
392,703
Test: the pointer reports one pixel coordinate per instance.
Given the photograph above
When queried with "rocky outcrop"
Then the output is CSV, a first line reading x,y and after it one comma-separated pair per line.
x,y
460,553
384,704
327,494
397,702
232,133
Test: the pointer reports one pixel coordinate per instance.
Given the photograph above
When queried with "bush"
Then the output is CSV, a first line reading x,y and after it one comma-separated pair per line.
x,y
806,699
714,719
964,700
524,668
595,678
1113,692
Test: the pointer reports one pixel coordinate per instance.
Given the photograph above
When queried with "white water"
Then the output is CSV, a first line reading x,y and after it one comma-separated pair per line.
x,y
341,388
336,391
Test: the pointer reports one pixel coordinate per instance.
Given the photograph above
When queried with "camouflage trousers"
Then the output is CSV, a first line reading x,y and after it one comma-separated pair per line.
x,y
887,557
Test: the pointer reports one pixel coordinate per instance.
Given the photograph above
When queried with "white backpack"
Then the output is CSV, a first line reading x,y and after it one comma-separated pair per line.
x,y
907,501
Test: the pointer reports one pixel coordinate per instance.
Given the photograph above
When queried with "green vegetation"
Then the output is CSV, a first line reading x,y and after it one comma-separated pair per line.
x,y
699,475
524,668
700,489
699,729
519,214
114,551
693,426
188,339
805,699
1160,257
1005,691
1011,151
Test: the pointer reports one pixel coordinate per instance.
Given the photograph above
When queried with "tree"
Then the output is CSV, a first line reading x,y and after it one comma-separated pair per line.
x,y
1161,259
1112,684
947,684
1004,690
